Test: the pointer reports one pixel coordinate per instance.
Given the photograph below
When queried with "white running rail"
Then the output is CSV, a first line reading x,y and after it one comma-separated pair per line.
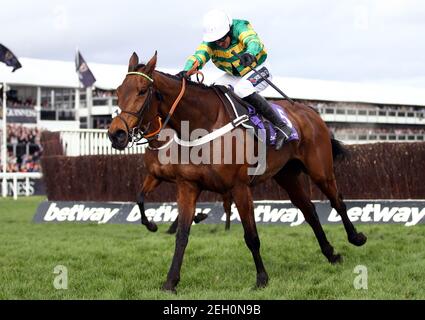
x,y
86,142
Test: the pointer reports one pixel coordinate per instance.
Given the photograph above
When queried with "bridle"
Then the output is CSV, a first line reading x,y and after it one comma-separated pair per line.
x,y
136,134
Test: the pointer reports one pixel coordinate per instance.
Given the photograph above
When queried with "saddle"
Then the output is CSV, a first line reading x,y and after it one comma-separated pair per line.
x,y
263,128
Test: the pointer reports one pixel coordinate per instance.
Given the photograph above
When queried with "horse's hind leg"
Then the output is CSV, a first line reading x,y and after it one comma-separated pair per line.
x,y
197,219
200,217
329,188
321,172
243,200
149,184
227,205
173,228
290,180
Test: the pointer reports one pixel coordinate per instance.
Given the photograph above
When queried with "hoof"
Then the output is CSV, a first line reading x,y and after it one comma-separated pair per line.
x,y
169,288
200,217
358,239
152,227
171,231
335,259
262,280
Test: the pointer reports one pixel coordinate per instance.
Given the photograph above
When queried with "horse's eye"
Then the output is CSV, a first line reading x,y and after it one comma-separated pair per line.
x,y
115,111
142,92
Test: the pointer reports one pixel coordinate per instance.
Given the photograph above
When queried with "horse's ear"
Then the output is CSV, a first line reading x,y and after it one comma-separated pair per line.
x,y
150,67
134,61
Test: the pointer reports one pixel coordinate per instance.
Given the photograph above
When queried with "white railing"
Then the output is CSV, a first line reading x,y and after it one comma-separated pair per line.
x,y
372,115
96,142
357,138
86,142
15,176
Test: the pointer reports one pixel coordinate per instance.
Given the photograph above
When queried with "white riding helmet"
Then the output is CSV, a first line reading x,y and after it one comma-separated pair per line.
x,y
216,24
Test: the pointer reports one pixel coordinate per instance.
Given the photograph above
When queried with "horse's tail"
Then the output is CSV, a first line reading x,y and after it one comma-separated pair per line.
x,y
339,152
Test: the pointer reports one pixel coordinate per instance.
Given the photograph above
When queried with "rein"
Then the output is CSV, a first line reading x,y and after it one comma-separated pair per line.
x,y
174,106
183,89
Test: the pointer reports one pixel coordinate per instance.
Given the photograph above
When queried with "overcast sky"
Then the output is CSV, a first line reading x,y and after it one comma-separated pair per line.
x,y
353,40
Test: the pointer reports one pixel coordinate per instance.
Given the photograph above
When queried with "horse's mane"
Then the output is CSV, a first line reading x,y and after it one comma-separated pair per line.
x,y
188,81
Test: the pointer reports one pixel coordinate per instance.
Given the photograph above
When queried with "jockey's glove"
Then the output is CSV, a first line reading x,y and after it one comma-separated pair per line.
x,y
247,59
182,74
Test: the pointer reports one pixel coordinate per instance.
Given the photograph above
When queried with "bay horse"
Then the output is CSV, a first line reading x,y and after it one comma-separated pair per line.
x,y
158,172
145,96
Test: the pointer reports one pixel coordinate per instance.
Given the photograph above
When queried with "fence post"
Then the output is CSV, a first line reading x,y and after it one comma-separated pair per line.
x,y
15,187
4,187
27,186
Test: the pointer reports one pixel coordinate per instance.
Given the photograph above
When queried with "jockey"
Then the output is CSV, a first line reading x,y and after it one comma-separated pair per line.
x,y
222,35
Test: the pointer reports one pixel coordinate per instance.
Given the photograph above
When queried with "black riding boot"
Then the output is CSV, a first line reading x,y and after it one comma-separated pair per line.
x,y
265,109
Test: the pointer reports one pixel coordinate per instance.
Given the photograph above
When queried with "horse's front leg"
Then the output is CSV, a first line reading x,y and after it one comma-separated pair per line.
x,y
149,184
187,194
243,200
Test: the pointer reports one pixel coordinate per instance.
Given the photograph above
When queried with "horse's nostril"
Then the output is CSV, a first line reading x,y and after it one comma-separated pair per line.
x,y
120,135
119,139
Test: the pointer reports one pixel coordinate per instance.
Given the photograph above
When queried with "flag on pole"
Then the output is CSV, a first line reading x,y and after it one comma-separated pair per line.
x,y
9,58
86,76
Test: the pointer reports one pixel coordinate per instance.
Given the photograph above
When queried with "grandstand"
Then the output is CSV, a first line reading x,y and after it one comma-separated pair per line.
x,y
56,101
46,95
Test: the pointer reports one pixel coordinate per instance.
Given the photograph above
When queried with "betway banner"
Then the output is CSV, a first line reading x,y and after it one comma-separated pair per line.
x,y
408,213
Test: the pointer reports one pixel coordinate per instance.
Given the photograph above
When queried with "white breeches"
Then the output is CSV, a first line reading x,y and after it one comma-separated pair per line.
x,y
249,83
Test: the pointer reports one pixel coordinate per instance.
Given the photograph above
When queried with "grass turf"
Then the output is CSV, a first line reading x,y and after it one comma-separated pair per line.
x,y
128,262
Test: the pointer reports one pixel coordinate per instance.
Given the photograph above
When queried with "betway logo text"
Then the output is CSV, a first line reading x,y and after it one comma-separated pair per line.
x,y
79,212
410,216
265,213
163,213
376,213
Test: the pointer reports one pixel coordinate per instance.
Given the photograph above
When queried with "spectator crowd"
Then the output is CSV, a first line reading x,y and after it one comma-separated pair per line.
x,y
23,149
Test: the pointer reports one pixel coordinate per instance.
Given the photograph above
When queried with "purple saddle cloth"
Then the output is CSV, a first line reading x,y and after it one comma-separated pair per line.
x,y
263,124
